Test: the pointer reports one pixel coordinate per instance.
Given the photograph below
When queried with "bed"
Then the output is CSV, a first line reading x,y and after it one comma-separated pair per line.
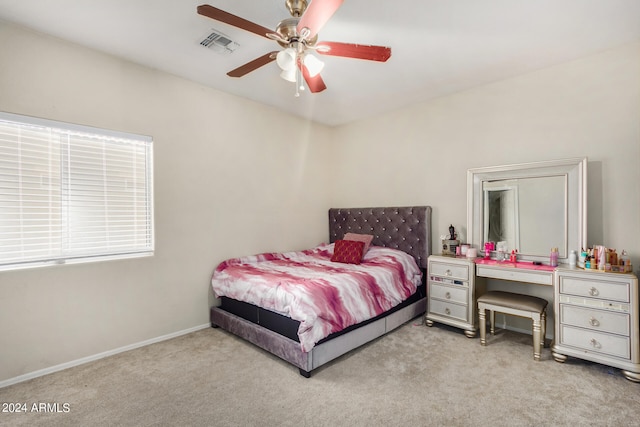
x,y
406,229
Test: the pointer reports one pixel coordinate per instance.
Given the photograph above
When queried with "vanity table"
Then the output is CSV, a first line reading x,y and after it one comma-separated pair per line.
x,y
455,283
534,207
531,208
597,313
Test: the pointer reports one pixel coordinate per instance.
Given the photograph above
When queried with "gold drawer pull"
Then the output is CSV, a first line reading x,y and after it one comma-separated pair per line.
x,y
448,272
447,311
593,292
594,322
595,344
447,295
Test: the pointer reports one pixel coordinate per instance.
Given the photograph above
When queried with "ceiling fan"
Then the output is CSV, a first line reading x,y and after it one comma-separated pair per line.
x,y
299,37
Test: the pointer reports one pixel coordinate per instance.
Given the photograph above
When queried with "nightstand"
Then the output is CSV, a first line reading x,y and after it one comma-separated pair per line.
x,y
451,293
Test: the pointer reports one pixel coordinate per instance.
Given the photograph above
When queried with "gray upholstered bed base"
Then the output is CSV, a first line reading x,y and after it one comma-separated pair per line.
x,y
405,228
289,350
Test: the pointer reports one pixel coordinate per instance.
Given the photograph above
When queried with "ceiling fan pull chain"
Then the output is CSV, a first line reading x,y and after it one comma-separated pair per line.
x,y
297,82
300,84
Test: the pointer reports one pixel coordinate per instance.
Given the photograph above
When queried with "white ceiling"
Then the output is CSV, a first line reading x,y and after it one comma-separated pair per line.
x,y
438,46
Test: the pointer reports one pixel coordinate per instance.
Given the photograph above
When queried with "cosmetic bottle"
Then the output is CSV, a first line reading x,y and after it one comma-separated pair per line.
x,y
582,259
602,258
553,258
625,261
488,248
573,258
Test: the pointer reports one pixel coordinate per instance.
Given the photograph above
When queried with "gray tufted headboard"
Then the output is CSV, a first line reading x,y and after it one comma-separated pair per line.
x,y
405,228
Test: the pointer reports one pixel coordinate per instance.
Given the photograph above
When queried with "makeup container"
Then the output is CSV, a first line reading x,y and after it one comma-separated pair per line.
x,y
488,248
553,257
582,259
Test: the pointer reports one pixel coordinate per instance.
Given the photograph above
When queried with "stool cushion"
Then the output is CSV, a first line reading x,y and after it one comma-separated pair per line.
x,y
515,301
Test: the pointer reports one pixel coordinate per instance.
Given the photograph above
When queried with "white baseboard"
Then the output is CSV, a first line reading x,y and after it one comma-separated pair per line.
x,y
60,367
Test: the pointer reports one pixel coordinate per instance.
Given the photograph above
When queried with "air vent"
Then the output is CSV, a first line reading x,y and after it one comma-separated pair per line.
x,y
219,42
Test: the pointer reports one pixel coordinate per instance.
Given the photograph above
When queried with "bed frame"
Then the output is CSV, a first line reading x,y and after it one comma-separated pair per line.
x,y
404,228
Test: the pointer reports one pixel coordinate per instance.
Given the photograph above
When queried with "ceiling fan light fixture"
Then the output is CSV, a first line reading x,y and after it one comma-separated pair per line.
x,y
286,59
289,75
313,64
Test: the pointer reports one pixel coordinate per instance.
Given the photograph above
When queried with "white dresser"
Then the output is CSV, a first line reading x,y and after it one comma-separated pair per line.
x,y
597,319
452,293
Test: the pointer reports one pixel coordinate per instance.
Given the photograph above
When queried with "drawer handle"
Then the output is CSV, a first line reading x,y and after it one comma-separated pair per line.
x,y
447,295
448,272
595,343
447,311
594,322
593,292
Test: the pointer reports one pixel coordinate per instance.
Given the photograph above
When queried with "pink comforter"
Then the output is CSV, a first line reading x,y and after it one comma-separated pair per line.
x,y
324,296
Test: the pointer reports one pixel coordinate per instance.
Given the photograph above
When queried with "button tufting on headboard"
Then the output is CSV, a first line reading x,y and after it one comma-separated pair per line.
x,y
405,228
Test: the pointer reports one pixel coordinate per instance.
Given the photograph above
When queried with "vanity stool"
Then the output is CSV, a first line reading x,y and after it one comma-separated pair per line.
x,y
517,305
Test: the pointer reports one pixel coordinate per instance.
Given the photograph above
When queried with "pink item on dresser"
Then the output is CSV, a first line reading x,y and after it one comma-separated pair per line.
x,y
520,264
488,248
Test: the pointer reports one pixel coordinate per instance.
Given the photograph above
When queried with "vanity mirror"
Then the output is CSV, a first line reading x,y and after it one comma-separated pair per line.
x,y
533,207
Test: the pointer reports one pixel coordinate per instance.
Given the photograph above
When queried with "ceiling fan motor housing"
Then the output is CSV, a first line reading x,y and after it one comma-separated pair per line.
x,y
288,31
296,7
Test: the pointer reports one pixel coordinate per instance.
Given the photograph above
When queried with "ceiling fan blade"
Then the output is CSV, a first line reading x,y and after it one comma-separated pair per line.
x,y
317,14
236,21
253,65
316,84
352,50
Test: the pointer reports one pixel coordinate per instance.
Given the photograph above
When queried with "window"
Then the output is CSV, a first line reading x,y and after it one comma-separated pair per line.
x,y
72,193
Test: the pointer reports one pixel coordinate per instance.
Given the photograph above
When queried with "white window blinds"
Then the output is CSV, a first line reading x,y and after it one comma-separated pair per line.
x,y
72,193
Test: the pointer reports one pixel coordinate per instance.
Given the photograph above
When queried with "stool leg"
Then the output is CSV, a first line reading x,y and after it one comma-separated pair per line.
x,y
536,336
543,328
492,321
483,326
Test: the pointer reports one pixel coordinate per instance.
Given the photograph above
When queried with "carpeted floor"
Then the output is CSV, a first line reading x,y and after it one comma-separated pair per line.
x,y
415,376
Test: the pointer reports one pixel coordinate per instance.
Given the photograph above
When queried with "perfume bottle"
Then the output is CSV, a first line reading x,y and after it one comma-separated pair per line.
x,y
553,258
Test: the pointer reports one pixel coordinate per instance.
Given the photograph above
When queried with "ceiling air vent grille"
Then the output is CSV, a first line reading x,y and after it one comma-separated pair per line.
x,y
219,42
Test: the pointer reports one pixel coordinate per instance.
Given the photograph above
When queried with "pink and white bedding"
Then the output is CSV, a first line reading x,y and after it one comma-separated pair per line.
x,y
324,296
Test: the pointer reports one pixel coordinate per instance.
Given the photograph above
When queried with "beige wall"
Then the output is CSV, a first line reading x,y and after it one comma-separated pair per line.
x,y
227,185
585,108
589,107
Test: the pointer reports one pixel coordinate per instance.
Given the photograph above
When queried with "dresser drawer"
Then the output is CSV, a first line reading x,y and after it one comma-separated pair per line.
x,y
598,342
445,308
596,320
539,277
449,293
454,271
614,291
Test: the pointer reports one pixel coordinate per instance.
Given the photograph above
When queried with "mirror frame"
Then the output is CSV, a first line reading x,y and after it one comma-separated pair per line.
x,y
575,172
